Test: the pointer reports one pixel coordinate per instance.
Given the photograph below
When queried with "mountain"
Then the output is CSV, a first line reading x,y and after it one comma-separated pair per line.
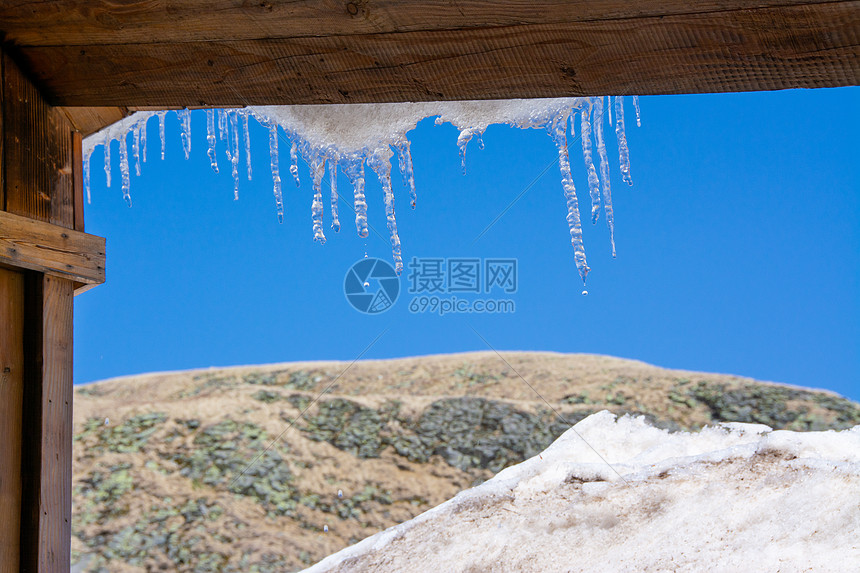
x,y
271,468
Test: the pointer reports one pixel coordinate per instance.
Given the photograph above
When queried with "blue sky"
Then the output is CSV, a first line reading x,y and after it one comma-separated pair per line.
x,y
738,250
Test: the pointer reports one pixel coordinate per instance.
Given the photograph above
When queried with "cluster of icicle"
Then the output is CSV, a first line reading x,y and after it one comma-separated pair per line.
x,y
349,137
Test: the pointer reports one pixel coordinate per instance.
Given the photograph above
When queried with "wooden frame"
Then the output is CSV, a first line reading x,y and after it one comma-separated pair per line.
x,y
100,59
218,53
52,250
41,257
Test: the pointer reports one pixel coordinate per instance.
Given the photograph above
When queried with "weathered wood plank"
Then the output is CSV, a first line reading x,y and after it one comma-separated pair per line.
x,y
38,158
37,179
51,249
78,180
55,527
31,441
782,45
88,120
46,465
11,402
2,133
89,22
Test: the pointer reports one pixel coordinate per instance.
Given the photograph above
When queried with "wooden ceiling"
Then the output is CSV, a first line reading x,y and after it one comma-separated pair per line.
x,y
114,55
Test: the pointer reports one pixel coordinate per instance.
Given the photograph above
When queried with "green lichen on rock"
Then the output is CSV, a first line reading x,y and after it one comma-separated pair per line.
x,y
779,407
471,433
164,534
303,380
239,456
845,412
208,382
128,436
468,432
266,396
103,494
348,426
350,507
470,376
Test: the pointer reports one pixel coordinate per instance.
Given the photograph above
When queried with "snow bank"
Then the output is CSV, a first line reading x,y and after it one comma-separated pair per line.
x,y
620,495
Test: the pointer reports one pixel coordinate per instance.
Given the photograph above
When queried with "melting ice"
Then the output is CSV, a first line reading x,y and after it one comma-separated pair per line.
x,y
348,137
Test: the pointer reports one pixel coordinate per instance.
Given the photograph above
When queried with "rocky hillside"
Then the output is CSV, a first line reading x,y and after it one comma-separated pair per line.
x,y
271,468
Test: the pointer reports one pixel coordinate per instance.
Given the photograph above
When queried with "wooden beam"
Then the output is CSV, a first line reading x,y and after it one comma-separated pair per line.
x,y
11,403
78,181
47,467
38,158
232,53
51,249
88,120
79,23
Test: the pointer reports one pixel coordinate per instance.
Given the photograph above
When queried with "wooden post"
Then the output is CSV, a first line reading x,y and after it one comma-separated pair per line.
x,y
42,260
11,396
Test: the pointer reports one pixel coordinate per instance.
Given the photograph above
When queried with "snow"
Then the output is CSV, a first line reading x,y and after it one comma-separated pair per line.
x,y
349,137
620,495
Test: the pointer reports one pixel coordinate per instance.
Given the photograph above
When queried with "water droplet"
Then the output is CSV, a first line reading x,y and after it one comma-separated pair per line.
x,y
366,284
584,293
340,493
107,421
325,528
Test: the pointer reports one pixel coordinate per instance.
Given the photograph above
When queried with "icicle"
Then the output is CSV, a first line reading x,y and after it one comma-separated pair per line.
x,y
350,153
123,168
623,151
462,141
161,116
276,172
604,172
332,173
558,131
185,125
317,165
294,163
636,107
222,124
135,149
354,169
143,138
87,179
247,135
380,162
234,131
404,158
107,158
593,181
210,139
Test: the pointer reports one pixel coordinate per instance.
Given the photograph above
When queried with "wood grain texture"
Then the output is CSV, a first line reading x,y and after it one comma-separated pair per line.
x,y
38,158
38,184
88,120
11,402
78,180
47,444
51,249
87,22
235,53
2,134
31,455
55,474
